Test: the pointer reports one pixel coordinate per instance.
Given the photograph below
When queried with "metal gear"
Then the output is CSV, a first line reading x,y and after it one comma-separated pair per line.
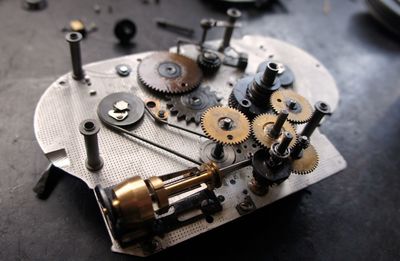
x,y
261,126
225,125
307,163
206,154
300,110
167,72
192,105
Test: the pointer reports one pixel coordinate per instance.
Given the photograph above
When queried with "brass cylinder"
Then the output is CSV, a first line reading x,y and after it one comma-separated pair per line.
x,y
132,201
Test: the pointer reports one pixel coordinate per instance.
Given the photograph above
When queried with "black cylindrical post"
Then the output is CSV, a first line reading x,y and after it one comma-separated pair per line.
x,y
321,109
277,127
74,39
233,14
89,129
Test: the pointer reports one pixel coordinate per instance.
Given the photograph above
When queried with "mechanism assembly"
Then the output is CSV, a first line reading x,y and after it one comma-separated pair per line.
x,y
175,143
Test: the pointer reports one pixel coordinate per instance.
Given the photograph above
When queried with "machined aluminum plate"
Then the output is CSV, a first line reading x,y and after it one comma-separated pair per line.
x,y
67,102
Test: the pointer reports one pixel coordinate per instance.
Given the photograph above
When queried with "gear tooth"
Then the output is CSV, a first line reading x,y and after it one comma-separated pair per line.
x,y
197,118
180,115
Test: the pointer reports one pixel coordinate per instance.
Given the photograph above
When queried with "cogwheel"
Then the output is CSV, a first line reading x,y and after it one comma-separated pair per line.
x,y
225,125
167,72
192,105
262,125
300,110
209,62
307,163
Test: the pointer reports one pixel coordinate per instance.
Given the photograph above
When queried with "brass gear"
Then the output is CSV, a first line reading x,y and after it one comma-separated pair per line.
x,y
263,123
167,72
307,163
300,110
214,124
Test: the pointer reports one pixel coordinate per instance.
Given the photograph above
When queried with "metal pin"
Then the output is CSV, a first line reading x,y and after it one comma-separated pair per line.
x,y
74,39
89,129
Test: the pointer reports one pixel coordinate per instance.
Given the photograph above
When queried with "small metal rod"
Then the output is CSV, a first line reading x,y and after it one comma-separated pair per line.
x,y
170,25
236,166
155,144
173,125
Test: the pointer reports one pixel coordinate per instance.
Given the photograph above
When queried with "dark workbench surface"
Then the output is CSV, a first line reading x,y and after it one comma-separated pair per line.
x,y
351,216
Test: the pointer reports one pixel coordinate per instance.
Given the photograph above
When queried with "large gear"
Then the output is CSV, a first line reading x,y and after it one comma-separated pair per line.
x,y
192,105
300,110
167,72
308,161
263,123
225,125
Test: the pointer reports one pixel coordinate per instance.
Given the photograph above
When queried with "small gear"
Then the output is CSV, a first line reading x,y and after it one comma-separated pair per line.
x,y
192,105
167,72
261,126
209,62
307,163
225,125
300,110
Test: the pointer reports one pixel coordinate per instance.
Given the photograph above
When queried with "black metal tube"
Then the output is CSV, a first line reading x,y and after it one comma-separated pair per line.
x,y
298,148
74,39
233,14
218,151
270,73
277,127
89,129
321,109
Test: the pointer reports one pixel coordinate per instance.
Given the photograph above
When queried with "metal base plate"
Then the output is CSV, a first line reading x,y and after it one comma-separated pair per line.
x,y
67,102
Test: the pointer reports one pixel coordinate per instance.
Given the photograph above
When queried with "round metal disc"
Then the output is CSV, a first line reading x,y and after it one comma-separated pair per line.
x,y
300,110
261,126
135,109
169,73
307,163
212,125
206,149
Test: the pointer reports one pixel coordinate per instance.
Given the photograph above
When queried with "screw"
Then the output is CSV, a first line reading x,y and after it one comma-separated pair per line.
x,y
227,123
161,113
292,104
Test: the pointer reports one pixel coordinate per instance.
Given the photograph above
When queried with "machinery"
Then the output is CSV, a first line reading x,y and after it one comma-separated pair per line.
x,y
175,143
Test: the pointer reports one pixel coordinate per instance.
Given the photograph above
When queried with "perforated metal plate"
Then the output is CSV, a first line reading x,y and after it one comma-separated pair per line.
x,y
67,102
